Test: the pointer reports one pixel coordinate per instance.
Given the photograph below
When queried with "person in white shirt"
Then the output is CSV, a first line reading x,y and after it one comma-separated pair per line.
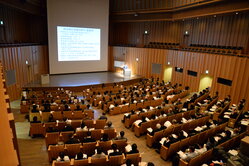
x,y
82,127
62,157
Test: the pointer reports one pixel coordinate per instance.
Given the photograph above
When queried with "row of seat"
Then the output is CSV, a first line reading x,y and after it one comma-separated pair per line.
x,y
206,156
86,148
151,140
111,161
166,152
140,130
55,137
41,128
60,115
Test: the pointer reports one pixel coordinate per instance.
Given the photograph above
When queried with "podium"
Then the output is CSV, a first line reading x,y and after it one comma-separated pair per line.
x,y
127,72
45,79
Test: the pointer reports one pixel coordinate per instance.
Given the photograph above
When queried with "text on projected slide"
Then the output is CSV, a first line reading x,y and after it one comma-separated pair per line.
x,y
78,44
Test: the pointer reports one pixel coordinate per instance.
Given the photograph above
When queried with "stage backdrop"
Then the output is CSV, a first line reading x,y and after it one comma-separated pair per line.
x,y
78,35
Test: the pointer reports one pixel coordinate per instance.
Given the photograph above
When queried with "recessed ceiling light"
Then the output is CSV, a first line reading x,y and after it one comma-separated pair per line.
x,y
236,13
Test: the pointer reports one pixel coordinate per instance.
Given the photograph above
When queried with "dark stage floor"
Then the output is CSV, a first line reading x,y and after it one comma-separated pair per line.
x,y
83,79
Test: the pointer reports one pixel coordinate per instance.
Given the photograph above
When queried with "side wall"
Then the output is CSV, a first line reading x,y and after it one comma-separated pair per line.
x,y
14,58
228,67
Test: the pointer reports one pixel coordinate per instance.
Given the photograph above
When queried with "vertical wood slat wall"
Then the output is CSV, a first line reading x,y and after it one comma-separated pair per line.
x,y
14,58
228,67
229,30
125,5
21,27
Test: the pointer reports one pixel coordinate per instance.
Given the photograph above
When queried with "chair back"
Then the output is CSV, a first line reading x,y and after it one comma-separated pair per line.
x,y
89,148
116,160
105,145
135,158
83,162
96,134
72,149
121,144
100,124
98,161
61,163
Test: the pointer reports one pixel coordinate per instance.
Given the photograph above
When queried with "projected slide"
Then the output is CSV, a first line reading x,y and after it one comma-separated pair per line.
x,y
78,44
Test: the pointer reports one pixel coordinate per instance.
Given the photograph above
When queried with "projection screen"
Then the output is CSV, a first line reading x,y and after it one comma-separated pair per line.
x,y
77,35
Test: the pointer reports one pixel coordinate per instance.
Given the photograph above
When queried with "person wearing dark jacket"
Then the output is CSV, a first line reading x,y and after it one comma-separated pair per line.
x,y
115,151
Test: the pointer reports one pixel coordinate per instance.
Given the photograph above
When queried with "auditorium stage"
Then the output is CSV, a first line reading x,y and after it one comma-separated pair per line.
x,y
83,80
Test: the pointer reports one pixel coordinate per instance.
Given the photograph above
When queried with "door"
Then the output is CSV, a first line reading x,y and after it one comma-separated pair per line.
x,y
167,73
205,81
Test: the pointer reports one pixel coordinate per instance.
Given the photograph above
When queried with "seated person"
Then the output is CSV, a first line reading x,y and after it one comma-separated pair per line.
x,y
35,120
158,128
99,154
72,140
114,151
68,127
88,138
187,156
82,127
103,116
51,129
139,122
128,162
35,109
51,118
128,115
131,149
150,164
121,136
62,157
80,156
105,137
78,108
182,135
170,140
66,108
108,125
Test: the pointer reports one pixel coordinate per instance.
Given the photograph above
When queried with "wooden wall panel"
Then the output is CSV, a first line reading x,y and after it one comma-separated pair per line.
x,y
228,67
126,5
14,58
21,27
229,30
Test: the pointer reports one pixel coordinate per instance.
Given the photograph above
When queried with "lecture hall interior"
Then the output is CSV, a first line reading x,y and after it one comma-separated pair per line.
x,y
124,82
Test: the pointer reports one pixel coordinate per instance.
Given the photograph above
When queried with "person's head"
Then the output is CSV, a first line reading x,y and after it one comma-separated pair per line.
x,y
122,133
80,155
35,119
34,107
82,124
78,107
88,133
51,117
143,118
105,137
99,150
88,106
158,125
191,149
150,164
134,147
114,147
109,123
61,155
128,162
174,121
